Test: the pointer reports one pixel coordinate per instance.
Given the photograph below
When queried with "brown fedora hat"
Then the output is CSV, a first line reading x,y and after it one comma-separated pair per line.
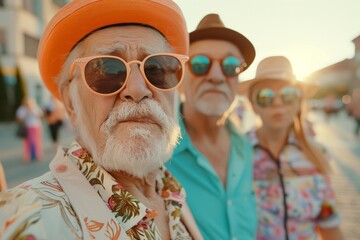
x,y
276,68
211,27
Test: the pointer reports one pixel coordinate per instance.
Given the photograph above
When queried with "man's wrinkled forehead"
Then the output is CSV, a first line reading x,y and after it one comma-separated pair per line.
x,y
116,47
122,42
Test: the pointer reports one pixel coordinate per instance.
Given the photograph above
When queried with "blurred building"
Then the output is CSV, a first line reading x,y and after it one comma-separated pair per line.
x,y
21,25
340,78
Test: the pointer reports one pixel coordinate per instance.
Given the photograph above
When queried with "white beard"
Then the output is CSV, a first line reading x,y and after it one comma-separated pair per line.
x,y
215,109
139,153
142,152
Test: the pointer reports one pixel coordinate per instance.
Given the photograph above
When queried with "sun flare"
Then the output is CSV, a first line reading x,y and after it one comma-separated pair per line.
x,y
305,59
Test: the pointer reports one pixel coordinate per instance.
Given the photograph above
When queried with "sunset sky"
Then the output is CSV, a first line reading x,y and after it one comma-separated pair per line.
x,y
311,33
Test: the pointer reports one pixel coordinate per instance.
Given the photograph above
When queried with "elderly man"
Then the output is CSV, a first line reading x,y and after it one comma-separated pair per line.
x,y
213,160
115,65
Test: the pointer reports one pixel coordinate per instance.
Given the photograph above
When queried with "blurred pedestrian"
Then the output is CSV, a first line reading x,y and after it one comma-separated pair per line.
x,y
213,159
294,195
30,114
3,184
54,112
330,106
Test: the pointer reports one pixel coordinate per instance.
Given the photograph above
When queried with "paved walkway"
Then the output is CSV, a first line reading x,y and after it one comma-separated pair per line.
x,y
336,133
11,149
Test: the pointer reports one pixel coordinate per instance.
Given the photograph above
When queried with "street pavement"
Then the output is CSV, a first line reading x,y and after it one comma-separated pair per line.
x,y
334,132
11,149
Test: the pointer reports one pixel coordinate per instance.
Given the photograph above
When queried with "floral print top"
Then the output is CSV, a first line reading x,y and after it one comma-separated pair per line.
x,y
41,209
294,182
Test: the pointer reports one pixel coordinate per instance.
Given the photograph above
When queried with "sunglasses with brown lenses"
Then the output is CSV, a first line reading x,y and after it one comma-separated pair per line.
x,y
107,75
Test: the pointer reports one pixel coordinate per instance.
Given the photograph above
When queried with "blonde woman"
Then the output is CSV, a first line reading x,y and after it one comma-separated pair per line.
x,y
294,197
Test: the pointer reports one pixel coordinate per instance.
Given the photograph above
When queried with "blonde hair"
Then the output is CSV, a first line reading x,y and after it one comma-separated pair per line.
x,y
313,152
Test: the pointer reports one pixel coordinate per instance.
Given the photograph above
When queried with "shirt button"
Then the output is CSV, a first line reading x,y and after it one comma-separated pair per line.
x,y
229,202
234,238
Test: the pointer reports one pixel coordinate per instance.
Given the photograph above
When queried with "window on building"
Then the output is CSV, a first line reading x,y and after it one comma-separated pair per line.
x,y
31,45
2,41
32,6
39,94
60,3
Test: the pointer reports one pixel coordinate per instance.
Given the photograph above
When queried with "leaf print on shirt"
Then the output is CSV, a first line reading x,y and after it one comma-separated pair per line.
x,y
52,199
93,226
87,166
171,189
20,233
143,230
151,214
112,230
124,204
176,213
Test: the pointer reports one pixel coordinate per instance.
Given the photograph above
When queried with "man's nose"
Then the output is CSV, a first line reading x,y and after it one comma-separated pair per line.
x,y
215,74
136,88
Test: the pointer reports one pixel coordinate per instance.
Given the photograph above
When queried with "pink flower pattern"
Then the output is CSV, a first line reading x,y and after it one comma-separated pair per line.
x,y
309,195
29,208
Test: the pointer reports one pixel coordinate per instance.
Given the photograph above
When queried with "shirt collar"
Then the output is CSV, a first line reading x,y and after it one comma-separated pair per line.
x,y
133,212
291,139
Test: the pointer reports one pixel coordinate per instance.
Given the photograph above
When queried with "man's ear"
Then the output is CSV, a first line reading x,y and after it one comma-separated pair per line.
x,y
68,104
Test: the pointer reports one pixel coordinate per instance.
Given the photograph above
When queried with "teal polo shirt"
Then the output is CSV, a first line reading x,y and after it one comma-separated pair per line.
x,y
221,213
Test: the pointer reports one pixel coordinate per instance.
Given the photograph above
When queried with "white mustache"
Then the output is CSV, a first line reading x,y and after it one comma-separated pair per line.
x,y
220,87
129,110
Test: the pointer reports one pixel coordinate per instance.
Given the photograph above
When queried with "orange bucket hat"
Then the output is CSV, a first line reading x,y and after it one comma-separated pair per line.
x,y
78,18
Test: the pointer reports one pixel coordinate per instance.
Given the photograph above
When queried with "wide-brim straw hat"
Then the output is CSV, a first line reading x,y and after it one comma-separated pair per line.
x,y
79,18
211,27
276,68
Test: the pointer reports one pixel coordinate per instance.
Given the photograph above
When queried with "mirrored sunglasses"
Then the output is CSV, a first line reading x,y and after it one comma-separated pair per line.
x,y
107,75
231,66
289,95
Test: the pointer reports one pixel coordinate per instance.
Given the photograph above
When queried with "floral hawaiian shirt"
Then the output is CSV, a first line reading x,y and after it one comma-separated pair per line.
x,y
294,182
45,208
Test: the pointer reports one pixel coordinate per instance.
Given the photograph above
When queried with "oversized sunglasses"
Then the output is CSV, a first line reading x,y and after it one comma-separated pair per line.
x,y
231,66
107,75
289,95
